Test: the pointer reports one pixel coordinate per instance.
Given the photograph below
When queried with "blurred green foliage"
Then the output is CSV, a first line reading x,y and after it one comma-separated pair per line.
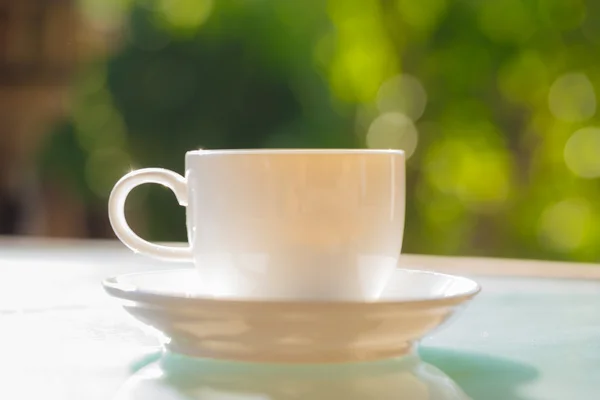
x,y
495,100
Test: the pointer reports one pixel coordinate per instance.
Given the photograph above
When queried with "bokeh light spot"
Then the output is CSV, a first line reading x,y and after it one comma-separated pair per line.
x,y
104,167
393,131
359,68
106,15
567,225
524,79
582,153
99,126
91,82
363,55
422,15
403,93
473,171
185,15
571,98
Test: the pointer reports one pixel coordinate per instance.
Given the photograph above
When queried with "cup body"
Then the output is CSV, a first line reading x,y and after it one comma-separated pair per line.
x,y
305,224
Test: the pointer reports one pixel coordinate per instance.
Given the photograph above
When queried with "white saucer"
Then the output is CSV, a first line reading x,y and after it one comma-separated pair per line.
x,y
414,303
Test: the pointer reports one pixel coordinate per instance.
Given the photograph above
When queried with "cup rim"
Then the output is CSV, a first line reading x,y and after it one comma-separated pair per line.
x,y
307,151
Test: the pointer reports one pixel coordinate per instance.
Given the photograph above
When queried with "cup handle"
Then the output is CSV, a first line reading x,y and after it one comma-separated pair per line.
x,y
116,212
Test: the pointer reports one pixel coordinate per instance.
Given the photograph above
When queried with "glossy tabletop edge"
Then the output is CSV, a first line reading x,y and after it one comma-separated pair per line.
x,y
482,266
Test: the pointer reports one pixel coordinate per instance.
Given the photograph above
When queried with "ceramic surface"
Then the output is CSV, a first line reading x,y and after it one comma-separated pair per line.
x,y
181,378
414,304
282,223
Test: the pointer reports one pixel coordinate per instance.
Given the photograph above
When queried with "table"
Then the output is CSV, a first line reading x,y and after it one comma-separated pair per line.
x,y
532,334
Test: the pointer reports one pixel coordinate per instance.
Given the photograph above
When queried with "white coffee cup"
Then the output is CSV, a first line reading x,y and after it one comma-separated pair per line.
x,y
299,224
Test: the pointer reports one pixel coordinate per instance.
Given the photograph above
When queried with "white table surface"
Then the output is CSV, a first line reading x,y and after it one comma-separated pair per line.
x,y
63,338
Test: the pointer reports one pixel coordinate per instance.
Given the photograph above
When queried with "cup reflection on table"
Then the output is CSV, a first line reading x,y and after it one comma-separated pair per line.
x,y
176,377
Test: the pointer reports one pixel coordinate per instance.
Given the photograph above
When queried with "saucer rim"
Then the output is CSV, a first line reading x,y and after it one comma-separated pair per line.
x,y
115,287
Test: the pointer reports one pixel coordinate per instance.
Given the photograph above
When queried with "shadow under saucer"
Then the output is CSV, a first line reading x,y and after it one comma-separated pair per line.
x,y
481,376
176,377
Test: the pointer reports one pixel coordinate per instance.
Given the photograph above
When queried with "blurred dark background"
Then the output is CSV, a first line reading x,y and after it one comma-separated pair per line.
x,y
494,101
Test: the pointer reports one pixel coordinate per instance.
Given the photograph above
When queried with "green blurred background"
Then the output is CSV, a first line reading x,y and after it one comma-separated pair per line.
x,y
494,102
